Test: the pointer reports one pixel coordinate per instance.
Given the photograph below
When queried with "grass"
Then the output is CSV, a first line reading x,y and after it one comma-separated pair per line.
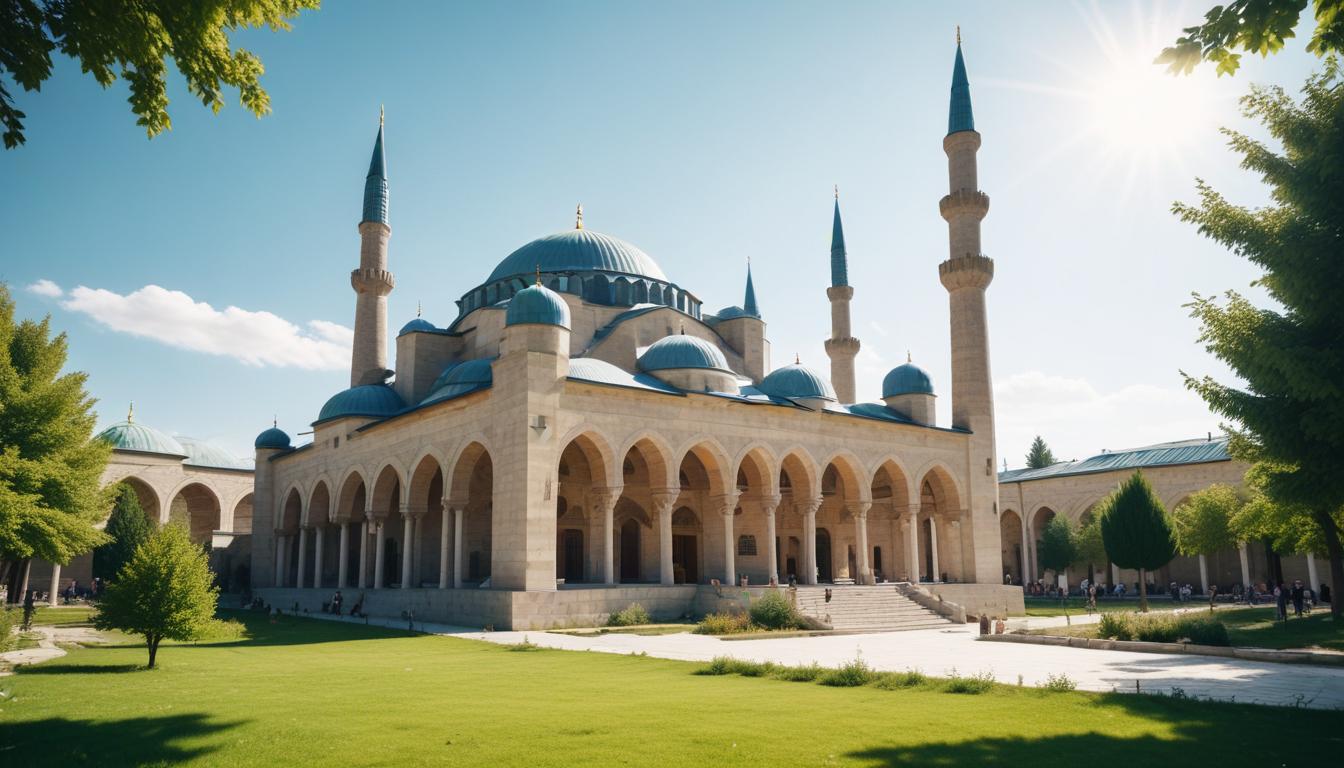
x,y
648,630
1047,606
303,691
63,616
1255,628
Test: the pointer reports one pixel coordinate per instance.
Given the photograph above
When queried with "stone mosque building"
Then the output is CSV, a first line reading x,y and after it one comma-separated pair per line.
x,y
585,433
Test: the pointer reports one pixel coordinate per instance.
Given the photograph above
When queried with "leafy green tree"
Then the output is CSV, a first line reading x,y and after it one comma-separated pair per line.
x,y
1040,455
1136,530
133,39
1254,26
1089,549
1203,523
165,592
1057,548
1289,419
50,468
128,527
1287,527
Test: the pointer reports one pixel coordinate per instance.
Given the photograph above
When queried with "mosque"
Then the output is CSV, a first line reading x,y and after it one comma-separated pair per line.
x,y
586,434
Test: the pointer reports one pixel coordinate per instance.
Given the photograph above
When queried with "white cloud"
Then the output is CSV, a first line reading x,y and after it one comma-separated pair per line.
x,y
45,287
254,338
1077,420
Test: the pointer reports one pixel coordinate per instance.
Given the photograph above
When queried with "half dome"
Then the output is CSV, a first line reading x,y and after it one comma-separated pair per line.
x,y
129,436
578,250
907,379
372,400
682,351
797,382
537,305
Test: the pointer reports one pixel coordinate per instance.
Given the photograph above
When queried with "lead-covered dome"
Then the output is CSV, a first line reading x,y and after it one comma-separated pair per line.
x,y
418,325
682,351
578,250
907,379
129,436
371,400
797,382
538,305
203,453
272,438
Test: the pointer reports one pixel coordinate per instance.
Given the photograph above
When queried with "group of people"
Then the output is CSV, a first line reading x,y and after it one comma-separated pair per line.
x,y
1300,596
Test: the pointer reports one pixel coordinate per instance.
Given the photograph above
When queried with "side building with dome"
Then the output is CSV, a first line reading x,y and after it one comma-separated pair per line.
x,y
585,434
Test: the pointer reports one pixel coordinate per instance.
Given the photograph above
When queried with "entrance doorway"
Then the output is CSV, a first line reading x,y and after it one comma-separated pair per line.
x,y
684,568
630,551
572,553
824,555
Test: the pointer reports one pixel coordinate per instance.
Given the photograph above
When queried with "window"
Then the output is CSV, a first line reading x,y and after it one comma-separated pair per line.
x,y
746,545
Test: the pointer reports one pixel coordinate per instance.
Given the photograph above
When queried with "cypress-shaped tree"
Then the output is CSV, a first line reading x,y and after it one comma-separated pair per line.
x,y
1136,530
1040,454
1057,548
129,527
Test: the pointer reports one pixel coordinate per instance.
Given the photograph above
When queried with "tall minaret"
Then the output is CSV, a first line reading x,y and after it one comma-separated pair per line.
x,y
841,347
372,282
966,274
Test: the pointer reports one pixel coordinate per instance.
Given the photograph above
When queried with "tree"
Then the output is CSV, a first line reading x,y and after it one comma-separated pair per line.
x,y
1203,522
133,39
166,591
128,527
1040,455
1089,549
1255,26
1289,419
50,468
1136,530
1056,548
1287,527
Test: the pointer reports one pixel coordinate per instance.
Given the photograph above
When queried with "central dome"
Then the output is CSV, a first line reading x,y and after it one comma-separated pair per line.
x,y
578,250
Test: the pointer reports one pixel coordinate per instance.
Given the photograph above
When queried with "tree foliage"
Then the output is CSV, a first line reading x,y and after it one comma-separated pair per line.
x,y
133,40
165,592
1040,455
50,468
1203,522
128,528
1089,549
1136,530
1253,26
1289,419
1056,549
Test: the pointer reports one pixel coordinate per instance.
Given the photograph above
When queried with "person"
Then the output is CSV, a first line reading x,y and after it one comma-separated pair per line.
x,y
336,603
1091,598
1281,602
1007,578
1298,596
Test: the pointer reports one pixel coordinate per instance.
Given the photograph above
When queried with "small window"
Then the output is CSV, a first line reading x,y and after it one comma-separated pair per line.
x,y
746,545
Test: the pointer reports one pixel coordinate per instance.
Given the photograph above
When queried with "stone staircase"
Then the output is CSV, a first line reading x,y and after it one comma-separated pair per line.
x,y
878,608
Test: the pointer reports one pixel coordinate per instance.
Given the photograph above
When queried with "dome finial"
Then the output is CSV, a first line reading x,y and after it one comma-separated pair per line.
x,y
578,217
796,359
539,265
908,357
275,422
958,34
418,308
130,413
837,191
380,113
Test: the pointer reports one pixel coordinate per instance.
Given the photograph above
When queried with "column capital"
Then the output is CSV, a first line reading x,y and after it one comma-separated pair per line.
x,y
770,502
859,508
809,506
664,498
725,502
604,498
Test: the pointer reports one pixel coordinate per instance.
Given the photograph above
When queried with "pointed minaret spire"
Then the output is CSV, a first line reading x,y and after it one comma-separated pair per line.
x,y
959,116
372,281
841,347
375,184
839,256
749,302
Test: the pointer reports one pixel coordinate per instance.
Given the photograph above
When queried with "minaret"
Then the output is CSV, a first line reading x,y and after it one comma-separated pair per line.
x,y
372,282
841,347
749,301
966,274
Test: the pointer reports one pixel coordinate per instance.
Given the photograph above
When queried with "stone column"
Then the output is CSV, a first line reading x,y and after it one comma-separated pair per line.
x,y
1245,566
1203,575
303,557
663,502
860,511
416,554
407,546
912,542
1311,573
54,596
380,538
444,525
319,534
1115,574
809,509
363,579
1026,553
343,550
459,512
726,503
603,504
279,560
768,506
933,549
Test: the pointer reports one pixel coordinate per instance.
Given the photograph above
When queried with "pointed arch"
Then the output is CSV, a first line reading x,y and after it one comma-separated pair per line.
x,y
387,493
196,504
756,469
798,473
318,510
711,455
947,491
596,453
656,455
846,472
241,518
892,483
463,466
148,498
291,513
352,498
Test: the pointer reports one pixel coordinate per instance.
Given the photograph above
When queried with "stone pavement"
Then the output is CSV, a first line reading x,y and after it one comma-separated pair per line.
x,y
46,645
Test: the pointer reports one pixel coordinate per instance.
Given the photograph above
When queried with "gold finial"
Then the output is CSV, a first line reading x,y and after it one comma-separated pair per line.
x,y
380,115
958,34
908,358
796,359
837,191
130,413
578,217
538,274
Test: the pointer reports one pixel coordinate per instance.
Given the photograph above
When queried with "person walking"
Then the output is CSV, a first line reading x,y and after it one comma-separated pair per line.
x,y
1281,601
1298,596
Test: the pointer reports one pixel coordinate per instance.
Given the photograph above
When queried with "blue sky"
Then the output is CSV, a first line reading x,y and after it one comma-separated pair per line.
x,y
705,133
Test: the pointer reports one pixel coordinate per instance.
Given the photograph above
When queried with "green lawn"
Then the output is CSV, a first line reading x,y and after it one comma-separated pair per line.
x,y
1045,606
65,615
315,693
1255,628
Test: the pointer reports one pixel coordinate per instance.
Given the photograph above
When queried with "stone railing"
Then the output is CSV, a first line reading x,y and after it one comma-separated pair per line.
x,y
933,602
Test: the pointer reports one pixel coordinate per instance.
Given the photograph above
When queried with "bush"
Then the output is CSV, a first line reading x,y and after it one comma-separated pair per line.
x,y
8,620
894,681
852,673
773,611
1202,630
1115,626
1156,629
801,674
978,683
633,615
1059,683
525,646
723,624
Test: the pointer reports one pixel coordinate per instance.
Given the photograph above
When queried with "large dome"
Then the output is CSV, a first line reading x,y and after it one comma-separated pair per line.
x,y
682,351
578,250
797,381
128,436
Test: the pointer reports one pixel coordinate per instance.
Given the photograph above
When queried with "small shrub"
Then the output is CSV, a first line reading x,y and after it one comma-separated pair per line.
x,y
850,674
773,611
1058,683
723,624
634,614
1157,629
1115,626
894,681
801,674
978,683
525,646
755,668
719,665
1204,630
8,620
727,665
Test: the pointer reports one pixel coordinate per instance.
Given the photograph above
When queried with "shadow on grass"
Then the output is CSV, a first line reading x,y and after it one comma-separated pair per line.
x,y
130,741
77,669
259,630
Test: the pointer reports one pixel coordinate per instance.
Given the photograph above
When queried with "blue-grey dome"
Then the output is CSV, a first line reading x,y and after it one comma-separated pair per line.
x,y
461,378
128,436
202,453
374,400
418,324
734,312
796,381
682,351
272,438
578,250
537,304
907,379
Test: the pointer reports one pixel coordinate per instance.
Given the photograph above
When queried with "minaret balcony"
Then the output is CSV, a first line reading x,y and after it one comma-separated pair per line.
x,y
969,271
964,202
848,347
372,281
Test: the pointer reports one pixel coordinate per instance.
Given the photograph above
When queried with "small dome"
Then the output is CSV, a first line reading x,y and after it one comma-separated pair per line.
x,y
733,313
375,400
272,438
418,324
537,304
128,436
461,378
578,250
202,453
796,381
682,351
907,379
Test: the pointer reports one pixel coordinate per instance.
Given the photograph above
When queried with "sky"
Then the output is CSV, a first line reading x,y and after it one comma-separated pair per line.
x,y
204,274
